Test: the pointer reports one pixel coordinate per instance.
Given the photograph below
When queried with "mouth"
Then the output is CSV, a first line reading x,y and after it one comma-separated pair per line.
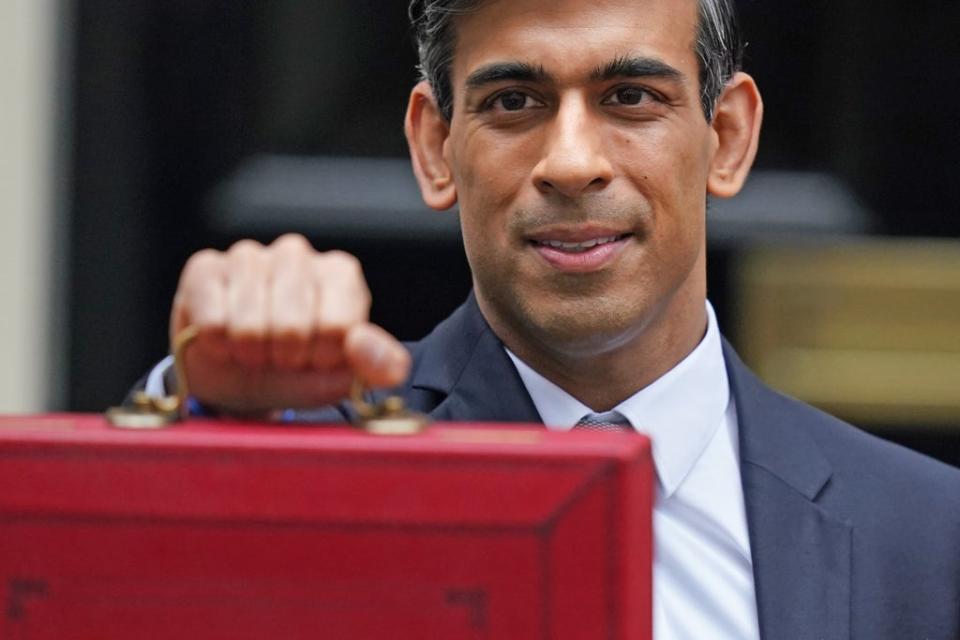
x,y
579,247
580,251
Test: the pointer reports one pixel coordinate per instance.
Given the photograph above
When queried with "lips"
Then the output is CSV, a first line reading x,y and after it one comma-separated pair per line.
x,y
579,250
576,247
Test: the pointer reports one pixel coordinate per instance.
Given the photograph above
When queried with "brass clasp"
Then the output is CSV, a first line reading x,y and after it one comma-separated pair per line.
x,y
388,418
146,412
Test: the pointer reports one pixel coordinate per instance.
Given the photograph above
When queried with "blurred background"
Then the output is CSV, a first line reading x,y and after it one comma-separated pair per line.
x,y
136,132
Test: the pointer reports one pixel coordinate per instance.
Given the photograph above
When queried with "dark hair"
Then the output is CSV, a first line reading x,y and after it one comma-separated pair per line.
x,y
719,46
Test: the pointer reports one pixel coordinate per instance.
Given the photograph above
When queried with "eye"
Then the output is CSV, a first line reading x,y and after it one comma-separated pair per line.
x,y
512,101
628,96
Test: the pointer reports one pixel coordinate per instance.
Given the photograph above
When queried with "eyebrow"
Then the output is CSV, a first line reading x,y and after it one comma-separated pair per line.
x,y
636,67
621,67
501,71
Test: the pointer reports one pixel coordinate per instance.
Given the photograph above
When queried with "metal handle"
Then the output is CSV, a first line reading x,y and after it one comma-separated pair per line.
x,y
389,417
148,412
181,341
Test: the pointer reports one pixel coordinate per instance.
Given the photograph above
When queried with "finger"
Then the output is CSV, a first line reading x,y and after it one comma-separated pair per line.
x,y
291,303
300,390
201,301
376,357
327,350
257,390
342,300
293,240
247,304
200,293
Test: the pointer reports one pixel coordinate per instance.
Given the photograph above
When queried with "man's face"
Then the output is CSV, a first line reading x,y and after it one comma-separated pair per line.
x,y
580,155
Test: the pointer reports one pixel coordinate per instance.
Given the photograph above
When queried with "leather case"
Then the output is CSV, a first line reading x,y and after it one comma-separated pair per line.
x,y
221,530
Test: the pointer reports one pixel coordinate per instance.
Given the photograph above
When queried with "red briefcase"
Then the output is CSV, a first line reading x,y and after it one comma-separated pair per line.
x,y
234,531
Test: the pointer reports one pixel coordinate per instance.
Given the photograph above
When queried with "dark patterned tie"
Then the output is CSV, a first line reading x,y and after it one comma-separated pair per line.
x,y
596,422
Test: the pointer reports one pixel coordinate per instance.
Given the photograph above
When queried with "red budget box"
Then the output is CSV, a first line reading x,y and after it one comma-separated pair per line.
x,y
230,530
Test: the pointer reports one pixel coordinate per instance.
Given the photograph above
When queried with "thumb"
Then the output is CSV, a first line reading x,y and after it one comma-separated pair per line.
x,y
375,356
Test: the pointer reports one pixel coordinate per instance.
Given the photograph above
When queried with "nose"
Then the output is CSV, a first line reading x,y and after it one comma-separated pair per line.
x,y
574,161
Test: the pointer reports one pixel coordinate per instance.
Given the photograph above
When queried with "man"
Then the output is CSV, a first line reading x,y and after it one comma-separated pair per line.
x,y
581,139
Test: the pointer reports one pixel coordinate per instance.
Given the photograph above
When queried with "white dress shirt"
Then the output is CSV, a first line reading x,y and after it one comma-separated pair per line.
x,y
702,569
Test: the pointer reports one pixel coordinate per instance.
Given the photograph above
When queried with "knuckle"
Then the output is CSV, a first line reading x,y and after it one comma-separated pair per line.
x,y
343,263
245,247
293,242
202,263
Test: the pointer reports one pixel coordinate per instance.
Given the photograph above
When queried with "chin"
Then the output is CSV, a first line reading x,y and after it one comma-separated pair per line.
x,y
585,326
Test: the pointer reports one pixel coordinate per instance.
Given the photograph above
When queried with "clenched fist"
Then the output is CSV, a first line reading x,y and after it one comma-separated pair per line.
x,y
280,326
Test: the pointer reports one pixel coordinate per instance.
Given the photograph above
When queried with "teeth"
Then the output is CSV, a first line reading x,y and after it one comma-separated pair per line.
x,y
578,246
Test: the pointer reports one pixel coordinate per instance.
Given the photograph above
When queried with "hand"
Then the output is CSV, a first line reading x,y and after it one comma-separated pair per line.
x,y
280,326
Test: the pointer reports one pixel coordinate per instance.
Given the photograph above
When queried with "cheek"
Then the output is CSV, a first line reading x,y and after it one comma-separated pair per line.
x,y
685,221
672,169
491,175
670,172
492,170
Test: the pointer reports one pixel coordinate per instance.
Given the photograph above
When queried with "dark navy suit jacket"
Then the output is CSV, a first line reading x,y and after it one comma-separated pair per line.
x,y
851,536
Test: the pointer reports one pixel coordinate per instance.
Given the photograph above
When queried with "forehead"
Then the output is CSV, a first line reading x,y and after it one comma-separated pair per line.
x,y
574,36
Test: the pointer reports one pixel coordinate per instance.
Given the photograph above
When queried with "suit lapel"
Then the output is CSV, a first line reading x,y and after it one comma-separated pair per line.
x,y
801,553
466,364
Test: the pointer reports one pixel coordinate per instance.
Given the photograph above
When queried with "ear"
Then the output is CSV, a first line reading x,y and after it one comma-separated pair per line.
x,y
736,125
427,131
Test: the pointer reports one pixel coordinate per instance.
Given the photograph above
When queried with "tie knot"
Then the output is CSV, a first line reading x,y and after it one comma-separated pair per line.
x,y
610,421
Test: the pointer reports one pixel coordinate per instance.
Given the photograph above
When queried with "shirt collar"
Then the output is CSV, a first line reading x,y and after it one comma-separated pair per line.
x,y
681,411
